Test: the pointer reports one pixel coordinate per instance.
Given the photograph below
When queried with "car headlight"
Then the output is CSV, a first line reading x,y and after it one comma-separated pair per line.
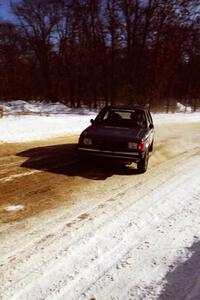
x,y
132,145
87,141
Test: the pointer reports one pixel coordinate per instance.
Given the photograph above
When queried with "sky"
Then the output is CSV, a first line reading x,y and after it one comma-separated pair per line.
x,y
5,13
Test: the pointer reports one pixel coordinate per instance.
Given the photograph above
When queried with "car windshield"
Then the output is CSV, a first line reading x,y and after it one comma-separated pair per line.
x,y
121,118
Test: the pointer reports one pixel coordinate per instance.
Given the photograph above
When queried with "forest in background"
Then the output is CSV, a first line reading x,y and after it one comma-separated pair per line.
x,y
95,53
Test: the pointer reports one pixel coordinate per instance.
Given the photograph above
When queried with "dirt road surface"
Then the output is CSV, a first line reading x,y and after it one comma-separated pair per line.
x,y
78,231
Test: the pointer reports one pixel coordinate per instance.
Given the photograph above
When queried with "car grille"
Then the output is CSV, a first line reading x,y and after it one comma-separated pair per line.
x,y
104,144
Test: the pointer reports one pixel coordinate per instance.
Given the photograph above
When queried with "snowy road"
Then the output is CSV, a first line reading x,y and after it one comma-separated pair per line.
x,y
101,232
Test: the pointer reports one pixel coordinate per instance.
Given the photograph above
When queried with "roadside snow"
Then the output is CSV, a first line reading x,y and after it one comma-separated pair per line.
x,y
28,121
32,107
176,117
126,237
27,128
183,108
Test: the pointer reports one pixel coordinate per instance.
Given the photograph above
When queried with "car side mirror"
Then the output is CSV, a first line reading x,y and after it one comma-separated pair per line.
x,y
151,126
92,121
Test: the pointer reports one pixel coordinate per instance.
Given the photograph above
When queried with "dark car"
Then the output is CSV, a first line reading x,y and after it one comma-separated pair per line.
x,y
124,133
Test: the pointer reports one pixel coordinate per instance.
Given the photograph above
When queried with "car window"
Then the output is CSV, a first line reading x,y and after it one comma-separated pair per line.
x,y
122,118
106,116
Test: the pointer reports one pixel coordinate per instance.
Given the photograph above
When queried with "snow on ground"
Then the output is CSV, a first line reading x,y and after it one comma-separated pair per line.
x,y
139,242
27,121
28,128
126,237
162,118
24,121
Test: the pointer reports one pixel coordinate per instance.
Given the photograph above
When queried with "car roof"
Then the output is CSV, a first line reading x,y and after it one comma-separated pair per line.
x,y
123,107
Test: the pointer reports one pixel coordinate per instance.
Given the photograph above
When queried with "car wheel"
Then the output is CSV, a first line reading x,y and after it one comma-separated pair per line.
x,y
143,163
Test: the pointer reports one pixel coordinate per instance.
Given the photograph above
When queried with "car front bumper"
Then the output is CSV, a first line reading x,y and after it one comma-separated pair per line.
x,y
133,156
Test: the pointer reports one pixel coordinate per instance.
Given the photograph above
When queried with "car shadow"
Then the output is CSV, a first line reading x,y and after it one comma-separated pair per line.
x,y
63,159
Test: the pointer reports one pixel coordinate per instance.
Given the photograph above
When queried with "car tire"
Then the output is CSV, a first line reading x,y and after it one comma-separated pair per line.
x,y
143,163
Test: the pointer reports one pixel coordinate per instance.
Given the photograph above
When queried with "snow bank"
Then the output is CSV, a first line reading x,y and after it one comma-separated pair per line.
x,y
41,108
26,121
182,108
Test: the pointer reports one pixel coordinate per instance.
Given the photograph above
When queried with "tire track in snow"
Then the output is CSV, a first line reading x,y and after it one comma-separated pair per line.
x,y
107,257
170,175
16,176
129,277
139,180
73,216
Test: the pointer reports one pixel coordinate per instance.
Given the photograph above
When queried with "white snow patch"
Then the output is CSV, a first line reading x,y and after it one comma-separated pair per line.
x,y
183,108
13,208
41,108
163,118
13,177
27,128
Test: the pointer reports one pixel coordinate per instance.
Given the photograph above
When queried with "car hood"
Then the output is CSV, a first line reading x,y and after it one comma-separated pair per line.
x,y
111,132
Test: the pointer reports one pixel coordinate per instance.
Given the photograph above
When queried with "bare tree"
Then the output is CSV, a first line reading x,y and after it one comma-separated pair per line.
x,y
10,59
38,19
113,29
83,52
